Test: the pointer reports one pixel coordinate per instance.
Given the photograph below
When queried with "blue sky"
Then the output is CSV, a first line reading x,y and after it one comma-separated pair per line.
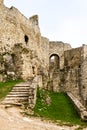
x,y
59,20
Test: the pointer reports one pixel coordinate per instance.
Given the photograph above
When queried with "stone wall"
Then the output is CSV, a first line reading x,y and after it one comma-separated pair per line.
x,y
72,63
75,73
25,54
45,51
58,48
84,81
84,51
72,82
80,108
56,81
21,37
32,93
73,57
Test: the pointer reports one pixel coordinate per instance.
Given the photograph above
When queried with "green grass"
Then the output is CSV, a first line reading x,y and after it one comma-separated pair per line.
x,y
61,108
5,87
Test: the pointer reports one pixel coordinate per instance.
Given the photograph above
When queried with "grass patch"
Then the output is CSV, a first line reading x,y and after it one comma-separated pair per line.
x,y
61,108
6,87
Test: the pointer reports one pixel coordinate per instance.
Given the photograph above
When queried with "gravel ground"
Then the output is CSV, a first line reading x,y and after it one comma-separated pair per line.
x,y
11,119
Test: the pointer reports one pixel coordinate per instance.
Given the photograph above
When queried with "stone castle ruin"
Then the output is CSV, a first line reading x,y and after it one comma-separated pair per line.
x,y
26,54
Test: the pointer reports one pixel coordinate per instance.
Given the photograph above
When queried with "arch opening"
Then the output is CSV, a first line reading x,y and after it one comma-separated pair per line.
x,y
54,61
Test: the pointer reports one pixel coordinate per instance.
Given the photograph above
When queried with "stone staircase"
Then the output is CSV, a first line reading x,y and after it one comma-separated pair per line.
x,y
18,95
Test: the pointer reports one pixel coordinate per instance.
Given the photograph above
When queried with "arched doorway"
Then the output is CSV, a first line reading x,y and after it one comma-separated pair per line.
x,y
54,61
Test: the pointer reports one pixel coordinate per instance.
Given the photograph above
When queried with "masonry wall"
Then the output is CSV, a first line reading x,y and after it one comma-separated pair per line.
x,y
84,82
73,60
18,32
84,51
73,57
84,76
25,54
45,52
58,48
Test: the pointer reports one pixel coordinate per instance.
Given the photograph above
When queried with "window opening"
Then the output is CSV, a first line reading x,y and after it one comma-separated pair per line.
x,y
26,38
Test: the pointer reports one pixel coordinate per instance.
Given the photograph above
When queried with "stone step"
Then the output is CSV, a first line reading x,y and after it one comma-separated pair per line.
x,y
12,102
20,88
23,84
9,96
16,98
15,101
18,93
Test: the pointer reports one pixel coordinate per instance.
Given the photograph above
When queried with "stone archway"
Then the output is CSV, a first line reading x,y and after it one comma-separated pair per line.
x,y
54,74
54,61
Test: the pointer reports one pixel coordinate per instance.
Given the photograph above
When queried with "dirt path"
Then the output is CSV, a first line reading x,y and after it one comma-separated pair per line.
x,y
11,119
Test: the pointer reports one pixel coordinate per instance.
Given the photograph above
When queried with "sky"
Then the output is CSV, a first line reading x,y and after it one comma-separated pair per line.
x,y
59,20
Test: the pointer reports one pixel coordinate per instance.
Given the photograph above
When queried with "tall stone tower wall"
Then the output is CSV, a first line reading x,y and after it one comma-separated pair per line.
x,y
18,32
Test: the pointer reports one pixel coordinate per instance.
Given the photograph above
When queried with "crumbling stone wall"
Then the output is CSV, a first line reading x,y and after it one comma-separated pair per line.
x,y
84,51
73,57
45,51
21,37
83,77
32,93
72,77
84,82
75,72
25,54
58,48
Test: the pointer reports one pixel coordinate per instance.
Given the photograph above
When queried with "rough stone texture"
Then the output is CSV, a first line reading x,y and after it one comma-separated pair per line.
x,y
32,93
72,77
73,57
19,33
25,54
75,73
58,48
80,108
23,93
54,81
84,51
22,45
84,82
